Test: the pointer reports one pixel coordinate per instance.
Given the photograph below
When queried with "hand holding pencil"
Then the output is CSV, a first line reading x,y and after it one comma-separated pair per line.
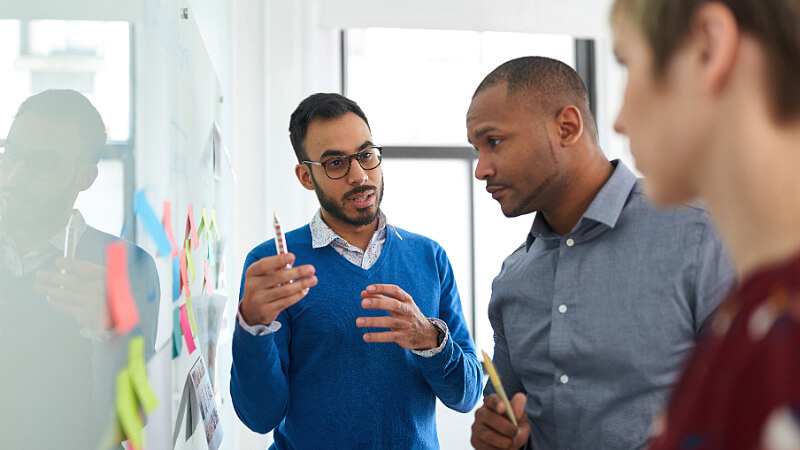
x,y
500,423
271,284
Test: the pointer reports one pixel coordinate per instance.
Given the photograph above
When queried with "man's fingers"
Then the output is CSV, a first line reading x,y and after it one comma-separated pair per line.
x,y
385,304
265,266
518,402
493,414
81,268
381,322
384,336
492,430
389,290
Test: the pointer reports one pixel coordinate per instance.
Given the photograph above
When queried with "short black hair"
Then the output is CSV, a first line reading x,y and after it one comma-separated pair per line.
x,y
70,107
549,82
321,105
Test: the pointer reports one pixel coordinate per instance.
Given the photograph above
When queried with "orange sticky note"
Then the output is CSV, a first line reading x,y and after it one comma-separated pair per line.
x,y
207,280
123,310
187,330
167,222
184,276
191,231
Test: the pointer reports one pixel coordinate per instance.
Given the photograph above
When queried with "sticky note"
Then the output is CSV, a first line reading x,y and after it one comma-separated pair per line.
x,y
137,371
176,332
184,277
187,330
190,261
190,312
214,223
166,220
205,226
124,314
127,409
176,278
207,280
191,231
151,223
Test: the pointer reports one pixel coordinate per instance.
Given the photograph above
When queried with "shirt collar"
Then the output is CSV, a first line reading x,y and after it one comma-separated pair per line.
x,y
605,208
322,234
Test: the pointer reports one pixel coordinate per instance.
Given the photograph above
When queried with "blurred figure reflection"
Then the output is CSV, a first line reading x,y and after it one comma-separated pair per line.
x,y
58,347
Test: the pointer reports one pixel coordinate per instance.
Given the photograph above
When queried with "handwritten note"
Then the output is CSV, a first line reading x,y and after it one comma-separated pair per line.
x,y
190,261
176,332
121,305
166,220
191,231
128,410
137,370
214,223
187,330
151,223
190,312
176,278
184,277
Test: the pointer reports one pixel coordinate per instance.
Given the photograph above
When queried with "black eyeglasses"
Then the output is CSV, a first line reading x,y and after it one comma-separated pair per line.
x,y
339,166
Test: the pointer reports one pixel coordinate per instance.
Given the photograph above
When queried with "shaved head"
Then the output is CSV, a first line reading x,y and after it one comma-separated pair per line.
x,y
546,84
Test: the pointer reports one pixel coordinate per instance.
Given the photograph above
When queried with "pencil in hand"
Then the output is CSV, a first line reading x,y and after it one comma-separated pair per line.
x,y
498,387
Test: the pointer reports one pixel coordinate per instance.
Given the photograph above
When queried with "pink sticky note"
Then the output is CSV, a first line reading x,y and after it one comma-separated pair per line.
x,y
184,275
167,222
123,310
207,280
187,330
191,231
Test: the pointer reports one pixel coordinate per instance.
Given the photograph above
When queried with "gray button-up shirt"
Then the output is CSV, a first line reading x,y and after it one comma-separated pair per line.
x,y
595,325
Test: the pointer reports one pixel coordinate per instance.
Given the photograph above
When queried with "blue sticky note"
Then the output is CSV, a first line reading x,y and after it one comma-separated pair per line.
x,y
176,332
151,223
176,278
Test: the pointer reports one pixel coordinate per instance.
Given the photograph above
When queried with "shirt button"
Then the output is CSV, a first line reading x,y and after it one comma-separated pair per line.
x,y
564,379
570,242
562,309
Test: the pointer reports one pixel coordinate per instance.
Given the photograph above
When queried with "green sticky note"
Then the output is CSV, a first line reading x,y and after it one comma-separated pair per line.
x,y
127,409
190,260
176,332
137,370
190,313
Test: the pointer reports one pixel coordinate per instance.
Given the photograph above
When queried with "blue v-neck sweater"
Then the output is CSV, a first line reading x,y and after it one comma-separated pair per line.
x,y
319,385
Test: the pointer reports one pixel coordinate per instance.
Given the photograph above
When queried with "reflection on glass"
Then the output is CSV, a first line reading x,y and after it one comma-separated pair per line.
x,y
57,339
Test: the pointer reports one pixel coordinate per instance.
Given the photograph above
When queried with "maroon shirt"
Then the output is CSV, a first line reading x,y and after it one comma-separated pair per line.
x,y
741,387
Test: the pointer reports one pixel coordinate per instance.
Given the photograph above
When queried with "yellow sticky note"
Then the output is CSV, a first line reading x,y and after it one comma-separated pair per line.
x,y
127,409
190,313
214,223
137,371
190,260
204,225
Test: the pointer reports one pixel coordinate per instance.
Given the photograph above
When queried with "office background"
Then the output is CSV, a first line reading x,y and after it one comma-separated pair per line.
x,y
157,69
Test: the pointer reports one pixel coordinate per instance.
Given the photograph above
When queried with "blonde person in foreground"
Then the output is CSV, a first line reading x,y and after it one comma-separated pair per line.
x,y
712,108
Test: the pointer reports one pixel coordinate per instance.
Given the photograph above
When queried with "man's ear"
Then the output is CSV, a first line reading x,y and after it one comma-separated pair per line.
x,y
86,177
715,37
570,126
303,173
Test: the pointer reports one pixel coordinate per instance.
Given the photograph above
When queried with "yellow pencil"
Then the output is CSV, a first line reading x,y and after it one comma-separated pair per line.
x,y
498,387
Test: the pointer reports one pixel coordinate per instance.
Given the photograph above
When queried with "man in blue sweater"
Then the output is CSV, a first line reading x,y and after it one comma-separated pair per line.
x,y
379,333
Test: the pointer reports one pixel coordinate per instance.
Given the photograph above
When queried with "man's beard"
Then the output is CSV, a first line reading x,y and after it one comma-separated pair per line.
x,y
336,209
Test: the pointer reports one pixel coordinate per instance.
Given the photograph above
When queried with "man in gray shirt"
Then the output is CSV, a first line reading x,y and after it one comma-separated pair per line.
x,y
594,314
